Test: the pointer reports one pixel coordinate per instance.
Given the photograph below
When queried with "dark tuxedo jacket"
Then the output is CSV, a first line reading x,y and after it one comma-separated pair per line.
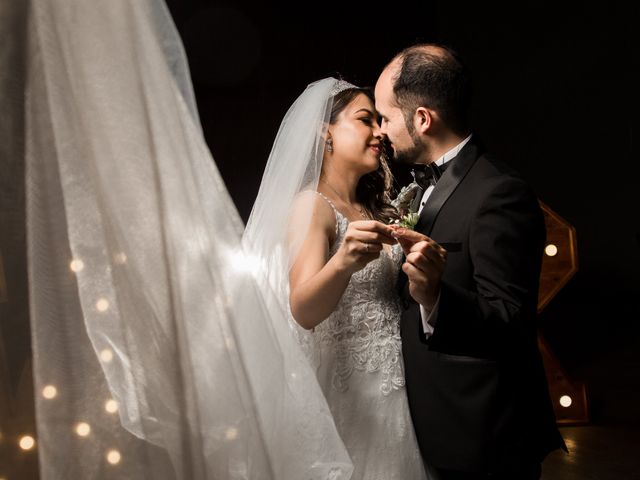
x,y
477,388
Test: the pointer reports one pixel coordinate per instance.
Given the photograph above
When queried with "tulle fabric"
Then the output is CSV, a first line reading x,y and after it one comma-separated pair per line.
x,y
160,351
286,200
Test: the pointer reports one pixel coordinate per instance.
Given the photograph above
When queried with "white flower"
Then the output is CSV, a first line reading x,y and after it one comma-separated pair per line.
x,y
406,196
404,199
409,221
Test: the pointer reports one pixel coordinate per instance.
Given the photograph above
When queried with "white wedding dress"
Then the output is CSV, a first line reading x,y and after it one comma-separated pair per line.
x,y
358,358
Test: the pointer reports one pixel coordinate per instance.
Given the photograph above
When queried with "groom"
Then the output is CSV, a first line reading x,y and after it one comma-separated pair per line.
x,y
475,380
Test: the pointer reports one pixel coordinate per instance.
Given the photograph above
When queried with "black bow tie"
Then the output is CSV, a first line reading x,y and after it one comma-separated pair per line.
x,y
427,175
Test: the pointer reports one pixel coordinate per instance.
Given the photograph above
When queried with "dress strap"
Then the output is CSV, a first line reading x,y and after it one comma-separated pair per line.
x,y
335,211
329,201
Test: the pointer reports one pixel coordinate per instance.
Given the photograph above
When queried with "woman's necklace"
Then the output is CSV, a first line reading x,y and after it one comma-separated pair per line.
x,y
359,209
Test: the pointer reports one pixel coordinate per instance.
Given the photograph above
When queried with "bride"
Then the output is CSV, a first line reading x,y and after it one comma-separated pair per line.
x,y
329,170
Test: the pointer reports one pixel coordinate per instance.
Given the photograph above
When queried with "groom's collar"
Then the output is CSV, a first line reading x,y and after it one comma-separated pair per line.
x,y
452,153
450,179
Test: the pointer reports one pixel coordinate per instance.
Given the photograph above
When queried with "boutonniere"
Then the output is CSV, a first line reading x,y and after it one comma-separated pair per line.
x,y
402,203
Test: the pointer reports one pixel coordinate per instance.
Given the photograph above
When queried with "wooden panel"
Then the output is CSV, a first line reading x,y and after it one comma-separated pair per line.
x,y
559,264
557,269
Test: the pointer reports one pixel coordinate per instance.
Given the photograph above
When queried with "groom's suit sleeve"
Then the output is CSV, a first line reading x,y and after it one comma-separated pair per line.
x,y
506,240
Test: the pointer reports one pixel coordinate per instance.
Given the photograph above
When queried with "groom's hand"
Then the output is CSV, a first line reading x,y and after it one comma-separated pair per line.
x,y
424,265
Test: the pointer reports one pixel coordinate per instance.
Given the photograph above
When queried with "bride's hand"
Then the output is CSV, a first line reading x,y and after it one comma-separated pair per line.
x,y
363,243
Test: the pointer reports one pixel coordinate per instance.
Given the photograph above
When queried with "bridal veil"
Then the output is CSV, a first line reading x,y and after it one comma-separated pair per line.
x,y
161,346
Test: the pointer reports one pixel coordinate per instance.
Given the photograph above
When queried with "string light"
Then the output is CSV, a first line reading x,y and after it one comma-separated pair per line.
x,y
102,305
106,355
113,457
76,265
27,442
120,258
111,406
49,392
83,429
231,433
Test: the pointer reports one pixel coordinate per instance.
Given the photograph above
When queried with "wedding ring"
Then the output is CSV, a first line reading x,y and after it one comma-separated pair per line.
x,y
366,246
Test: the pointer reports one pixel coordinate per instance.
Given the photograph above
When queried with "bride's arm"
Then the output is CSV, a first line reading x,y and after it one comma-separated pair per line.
x,y
316,285
316,281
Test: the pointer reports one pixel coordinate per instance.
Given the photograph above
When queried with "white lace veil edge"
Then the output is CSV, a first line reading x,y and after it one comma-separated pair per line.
x,y
293,166
157,354
282,211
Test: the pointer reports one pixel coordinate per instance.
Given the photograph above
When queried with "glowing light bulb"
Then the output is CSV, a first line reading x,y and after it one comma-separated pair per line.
x,y
111,406
27,442
566,401
49,392
76,265
102,305
551,250
83,429
106,355
231,433
114,457
120,258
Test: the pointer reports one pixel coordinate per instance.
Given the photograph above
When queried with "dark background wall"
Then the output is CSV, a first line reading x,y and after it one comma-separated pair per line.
x,y
556,96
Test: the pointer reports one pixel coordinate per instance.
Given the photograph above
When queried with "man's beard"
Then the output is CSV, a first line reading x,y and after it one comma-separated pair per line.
x,y
409,156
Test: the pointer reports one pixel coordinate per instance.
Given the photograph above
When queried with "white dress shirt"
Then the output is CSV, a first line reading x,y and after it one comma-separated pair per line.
x,y
429,317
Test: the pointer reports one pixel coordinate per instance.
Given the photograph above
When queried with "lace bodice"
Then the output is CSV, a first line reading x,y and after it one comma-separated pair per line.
x,y
357,356
363,332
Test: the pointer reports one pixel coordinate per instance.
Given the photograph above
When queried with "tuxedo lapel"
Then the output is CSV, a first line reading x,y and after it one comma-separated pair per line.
x,y
415,204
446,185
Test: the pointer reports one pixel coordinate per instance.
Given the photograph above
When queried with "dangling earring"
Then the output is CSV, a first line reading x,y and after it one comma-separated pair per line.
x,y
330,145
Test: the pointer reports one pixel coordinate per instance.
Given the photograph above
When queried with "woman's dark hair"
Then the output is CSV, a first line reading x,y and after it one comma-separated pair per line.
x,y
373,190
